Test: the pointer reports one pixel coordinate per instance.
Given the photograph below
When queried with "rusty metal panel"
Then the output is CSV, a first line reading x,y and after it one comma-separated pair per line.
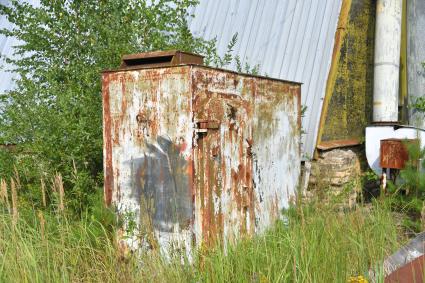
x,y
394,153
412,272
197,155
404,265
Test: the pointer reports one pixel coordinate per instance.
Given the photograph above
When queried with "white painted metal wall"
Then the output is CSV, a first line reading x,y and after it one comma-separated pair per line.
x,y
289,39
6,78
6,50
415,56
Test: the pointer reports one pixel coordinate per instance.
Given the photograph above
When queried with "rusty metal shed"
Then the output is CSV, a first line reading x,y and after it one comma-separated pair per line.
x,y
196,154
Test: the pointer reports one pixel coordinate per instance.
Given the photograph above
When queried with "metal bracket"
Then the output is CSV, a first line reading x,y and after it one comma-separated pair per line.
x,y
207,125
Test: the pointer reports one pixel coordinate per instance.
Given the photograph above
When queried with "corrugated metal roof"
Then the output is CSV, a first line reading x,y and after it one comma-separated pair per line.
x,y
6,78
288,39
415,57
6,50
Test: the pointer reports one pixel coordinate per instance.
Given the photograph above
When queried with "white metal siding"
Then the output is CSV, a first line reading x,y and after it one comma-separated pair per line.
x,y
288,39
6,50
6,44
415,56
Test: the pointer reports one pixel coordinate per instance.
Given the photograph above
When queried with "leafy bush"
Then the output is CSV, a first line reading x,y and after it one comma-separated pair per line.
x,y
418,104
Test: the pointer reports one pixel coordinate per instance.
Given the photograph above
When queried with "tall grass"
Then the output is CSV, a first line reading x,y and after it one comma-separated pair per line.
x,y
315,243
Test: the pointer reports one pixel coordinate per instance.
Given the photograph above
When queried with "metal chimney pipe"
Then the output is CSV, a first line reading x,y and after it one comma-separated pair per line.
x,y
387,60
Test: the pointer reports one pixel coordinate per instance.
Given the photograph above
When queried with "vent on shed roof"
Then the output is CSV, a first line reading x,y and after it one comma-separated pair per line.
x,y
160,59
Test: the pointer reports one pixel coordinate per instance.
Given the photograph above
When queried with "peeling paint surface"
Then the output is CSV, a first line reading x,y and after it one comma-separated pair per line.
x,y
194,155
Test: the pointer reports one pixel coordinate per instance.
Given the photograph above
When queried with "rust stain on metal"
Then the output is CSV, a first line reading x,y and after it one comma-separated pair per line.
x,y
108,182
394,153
199,155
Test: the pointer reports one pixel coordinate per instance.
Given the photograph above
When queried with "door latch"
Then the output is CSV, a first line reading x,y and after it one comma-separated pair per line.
x,y
202,126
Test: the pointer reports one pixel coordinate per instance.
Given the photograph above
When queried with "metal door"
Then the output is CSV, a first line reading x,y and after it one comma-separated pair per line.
x,y
224,198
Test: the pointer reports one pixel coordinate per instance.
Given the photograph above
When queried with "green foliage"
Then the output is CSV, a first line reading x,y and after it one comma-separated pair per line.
x,y
409,209
47,247
54,116
7,161
216,60
248,69
370,176
412,175
228,57
303,110
418,104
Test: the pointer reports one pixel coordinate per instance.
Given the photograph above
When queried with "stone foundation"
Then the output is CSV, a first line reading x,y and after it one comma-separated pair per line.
x,y
336,172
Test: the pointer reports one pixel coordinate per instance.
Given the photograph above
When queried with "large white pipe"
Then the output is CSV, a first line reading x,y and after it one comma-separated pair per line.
x,y
387,60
